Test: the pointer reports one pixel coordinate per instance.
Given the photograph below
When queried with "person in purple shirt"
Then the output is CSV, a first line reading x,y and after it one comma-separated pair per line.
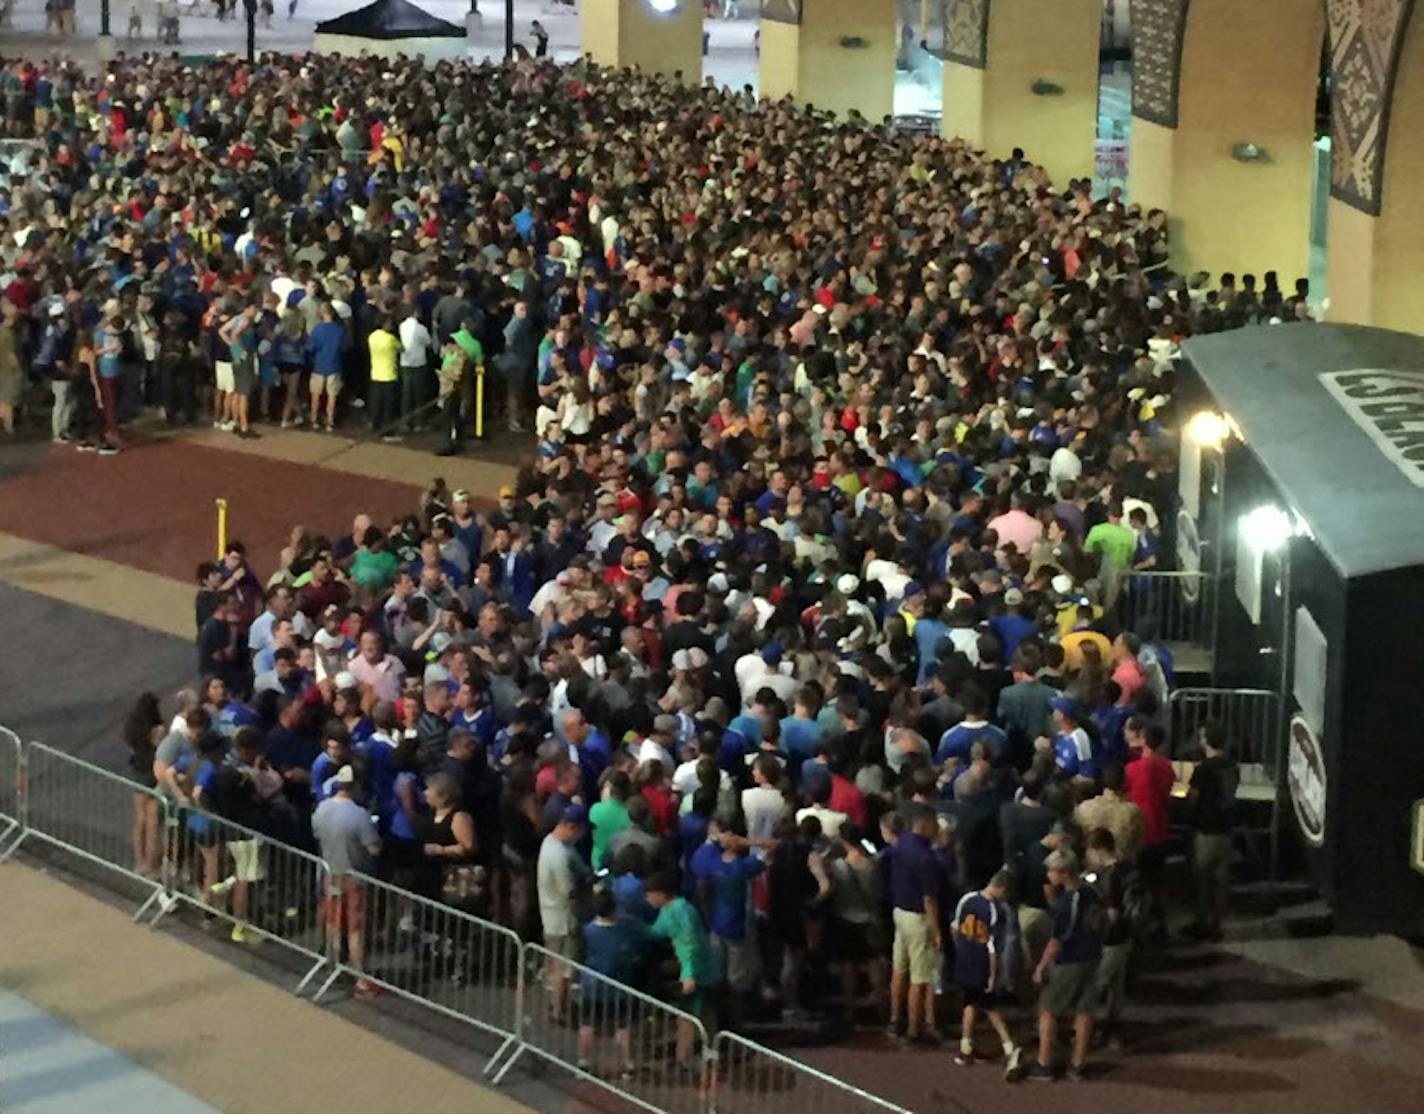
x,y
913,883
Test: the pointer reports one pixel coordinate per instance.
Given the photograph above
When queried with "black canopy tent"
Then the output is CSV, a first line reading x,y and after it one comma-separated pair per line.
x,y
388,27
1312,512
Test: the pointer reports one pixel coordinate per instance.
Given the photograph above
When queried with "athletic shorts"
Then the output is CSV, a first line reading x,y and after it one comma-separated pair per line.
x,y
244,375
1070,988
222,371
325,385
912,953
247,859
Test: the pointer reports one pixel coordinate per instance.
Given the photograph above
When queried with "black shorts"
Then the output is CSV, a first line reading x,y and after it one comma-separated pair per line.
x,y
982,999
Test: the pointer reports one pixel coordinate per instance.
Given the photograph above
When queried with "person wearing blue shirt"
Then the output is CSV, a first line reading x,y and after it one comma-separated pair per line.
x,y
1068,970
930,627
380,753
335,753
613,947
1072,746
983,949
327,344
801,734
1012,626
724,867
974,727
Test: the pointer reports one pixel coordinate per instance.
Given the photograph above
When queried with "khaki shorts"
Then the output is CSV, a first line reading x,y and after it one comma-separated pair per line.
x,y
912,952
247,860
1070,988
325,385
222,373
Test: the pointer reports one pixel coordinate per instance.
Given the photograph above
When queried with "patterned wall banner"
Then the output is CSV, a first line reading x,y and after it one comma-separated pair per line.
x,y
966,33
1159,28
1366,37
781,11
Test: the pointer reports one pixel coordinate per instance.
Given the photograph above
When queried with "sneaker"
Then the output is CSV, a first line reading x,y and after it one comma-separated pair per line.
x,y
222,887
239,934
392,438
365,988
964,1056
1037,1073
1011,1063
1076,1073
108,450
895,1030
86,446
226,427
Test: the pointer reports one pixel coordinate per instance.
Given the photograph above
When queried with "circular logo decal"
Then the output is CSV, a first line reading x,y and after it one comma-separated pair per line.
x,y
1305,771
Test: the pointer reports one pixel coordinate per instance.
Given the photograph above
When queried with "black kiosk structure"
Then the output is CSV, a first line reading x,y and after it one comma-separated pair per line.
x,y
1302,502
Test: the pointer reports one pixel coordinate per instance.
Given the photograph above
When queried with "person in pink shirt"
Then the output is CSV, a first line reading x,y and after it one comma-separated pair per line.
x,y
1018,526
1127,671
374,667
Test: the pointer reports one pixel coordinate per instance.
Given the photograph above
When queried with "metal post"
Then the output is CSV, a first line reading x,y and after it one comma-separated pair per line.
x,y
509,30
1283,720
251,6
104,17
479,402
222,527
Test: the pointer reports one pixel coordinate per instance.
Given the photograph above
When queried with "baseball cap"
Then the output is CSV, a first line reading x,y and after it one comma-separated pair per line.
x,y
346,680
345,776
771,652
460,495
1013,597
682,660
1067,705
507,491
913,588
1062,584
574,814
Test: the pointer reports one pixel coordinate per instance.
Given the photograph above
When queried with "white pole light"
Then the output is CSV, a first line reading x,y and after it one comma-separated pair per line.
x,y
663,7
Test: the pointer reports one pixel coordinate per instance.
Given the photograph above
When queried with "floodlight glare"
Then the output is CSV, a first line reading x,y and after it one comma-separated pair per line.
x,y
1208,429
663,7
1266,528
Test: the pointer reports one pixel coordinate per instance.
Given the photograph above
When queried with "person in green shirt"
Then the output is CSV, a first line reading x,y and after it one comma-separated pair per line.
x,y
679,923
373,565
610,815
1112,539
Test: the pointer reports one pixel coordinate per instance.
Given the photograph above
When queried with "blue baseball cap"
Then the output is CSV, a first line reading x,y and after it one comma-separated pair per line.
x,y
574,814
1067,705
771,652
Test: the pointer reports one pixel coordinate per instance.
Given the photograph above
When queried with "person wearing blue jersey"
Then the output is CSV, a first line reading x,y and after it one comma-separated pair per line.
x,y
983,948
1071,745
975,727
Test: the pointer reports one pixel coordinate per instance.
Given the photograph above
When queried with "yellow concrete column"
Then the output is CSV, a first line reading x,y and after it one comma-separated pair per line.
x,y
1374,273
1247,76
840,57
1034,85
634,33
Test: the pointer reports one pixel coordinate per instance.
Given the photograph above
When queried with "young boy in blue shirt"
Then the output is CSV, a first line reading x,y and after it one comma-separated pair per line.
x,y
612,947
983,945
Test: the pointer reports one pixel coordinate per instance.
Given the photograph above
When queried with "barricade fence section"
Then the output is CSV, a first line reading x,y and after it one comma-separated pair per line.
x,y
1173,607
89,812
424,950
388,938
1253,720
12,785
753,1079
265,889
633,1044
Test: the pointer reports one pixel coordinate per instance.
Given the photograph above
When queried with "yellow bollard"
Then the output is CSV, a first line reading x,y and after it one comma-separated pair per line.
x,y
479,402
222,527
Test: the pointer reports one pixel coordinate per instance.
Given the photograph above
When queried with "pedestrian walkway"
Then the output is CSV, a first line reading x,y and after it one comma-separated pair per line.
x,y
161,1020
48,1067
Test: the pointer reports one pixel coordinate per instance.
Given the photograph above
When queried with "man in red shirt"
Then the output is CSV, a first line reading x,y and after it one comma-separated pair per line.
x,y
1149,785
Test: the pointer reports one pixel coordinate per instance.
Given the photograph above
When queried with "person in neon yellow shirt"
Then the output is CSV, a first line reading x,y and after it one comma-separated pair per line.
x,y
385,347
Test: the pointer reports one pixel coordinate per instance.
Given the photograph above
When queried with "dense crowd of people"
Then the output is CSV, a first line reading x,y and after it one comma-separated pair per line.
x,y
798,641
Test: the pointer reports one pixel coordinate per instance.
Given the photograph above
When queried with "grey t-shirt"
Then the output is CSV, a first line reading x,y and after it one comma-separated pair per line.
x,y
346,835
175,744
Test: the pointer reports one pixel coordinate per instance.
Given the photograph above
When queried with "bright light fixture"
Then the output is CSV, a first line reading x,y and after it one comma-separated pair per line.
x,y
1266,528
1208,429
663,7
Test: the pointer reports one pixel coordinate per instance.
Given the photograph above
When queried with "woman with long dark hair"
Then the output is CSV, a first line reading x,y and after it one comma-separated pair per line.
x,y
143,731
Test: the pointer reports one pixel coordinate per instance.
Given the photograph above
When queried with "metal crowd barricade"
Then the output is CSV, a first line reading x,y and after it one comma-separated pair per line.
x,y
1254,721
12,785
86,811
426,951
753,1079
266,889
1178,608
643,1050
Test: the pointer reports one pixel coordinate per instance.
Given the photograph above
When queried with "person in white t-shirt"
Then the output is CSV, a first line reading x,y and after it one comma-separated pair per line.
x,y
764,805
